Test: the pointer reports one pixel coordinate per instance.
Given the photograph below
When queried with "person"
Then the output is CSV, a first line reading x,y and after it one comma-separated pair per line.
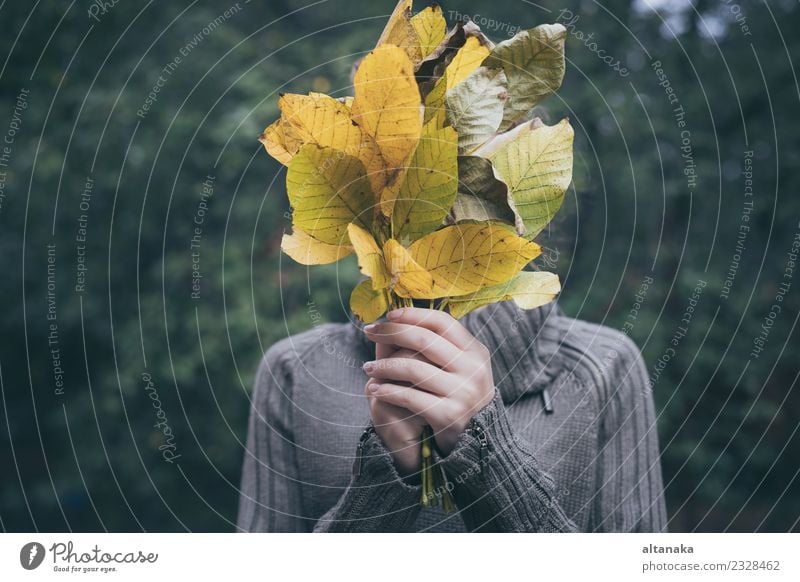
x,y
542,423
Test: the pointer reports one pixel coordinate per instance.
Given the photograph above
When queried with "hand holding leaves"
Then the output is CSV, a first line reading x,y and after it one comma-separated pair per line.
x,y
446,386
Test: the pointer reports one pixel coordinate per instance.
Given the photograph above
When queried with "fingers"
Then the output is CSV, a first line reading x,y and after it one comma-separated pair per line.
x,y
418,373
436,321
419,402
434,347
390,415
391,351
384,350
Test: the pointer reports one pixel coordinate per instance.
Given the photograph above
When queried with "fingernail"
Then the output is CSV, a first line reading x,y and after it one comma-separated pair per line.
x,y
373,387
370,328
368,366
396,314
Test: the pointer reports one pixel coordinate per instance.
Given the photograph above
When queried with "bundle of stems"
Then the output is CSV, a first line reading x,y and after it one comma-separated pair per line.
x,y
434,483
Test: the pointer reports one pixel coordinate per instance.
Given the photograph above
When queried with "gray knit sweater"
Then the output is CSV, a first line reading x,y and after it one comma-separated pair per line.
x,y
568,443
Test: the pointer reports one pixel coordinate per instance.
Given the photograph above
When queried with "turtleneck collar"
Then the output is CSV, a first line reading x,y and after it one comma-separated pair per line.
x,y
519,362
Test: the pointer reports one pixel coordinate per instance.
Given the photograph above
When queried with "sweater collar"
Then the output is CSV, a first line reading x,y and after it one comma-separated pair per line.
x,y
514,336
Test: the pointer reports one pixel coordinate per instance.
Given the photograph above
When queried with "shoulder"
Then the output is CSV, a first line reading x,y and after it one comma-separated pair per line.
x,y
307,346
324,346
603,356
310,375
597,342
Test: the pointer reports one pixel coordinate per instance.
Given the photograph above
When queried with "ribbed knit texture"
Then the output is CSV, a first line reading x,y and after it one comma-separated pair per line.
x,y
377,500
592,464
502,488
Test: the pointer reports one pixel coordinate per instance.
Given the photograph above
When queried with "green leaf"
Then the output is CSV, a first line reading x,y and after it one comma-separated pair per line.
x,y
475,106
328,190
430,185
529,290
534,64
535,161
434,105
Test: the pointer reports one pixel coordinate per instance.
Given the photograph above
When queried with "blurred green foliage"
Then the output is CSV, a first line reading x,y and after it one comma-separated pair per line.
x,y
89,459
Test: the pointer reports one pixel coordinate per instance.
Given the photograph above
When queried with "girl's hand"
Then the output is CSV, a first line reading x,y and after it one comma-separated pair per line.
x,y
446,388
399,429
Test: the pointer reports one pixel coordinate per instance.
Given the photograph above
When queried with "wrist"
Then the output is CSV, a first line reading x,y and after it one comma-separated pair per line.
x,y
448,437
485,431
375,465
405,453
406,462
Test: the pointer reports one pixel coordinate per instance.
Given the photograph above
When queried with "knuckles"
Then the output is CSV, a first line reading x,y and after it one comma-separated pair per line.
x,y
482,351
402,398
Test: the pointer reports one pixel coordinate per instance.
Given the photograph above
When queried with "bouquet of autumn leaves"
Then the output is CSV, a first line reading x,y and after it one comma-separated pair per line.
x,y
432,173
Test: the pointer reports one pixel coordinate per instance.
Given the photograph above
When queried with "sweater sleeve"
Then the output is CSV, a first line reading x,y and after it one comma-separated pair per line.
x,y
630,490
497,482
376,499
270,499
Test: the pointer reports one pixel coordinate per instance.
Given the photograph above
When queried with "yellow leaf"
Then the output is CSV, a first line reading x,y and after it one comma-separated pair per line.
x,y
430,185
529,290
409,279
274,141
466,257
387,109
400,32
370,257
432,72
318,119
468,58
307,250
327,191
430,27
366,303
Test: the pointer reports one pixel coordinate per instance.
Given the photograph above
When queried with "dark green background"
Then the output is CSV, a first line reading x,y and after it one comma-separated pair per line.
x,y
89,459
